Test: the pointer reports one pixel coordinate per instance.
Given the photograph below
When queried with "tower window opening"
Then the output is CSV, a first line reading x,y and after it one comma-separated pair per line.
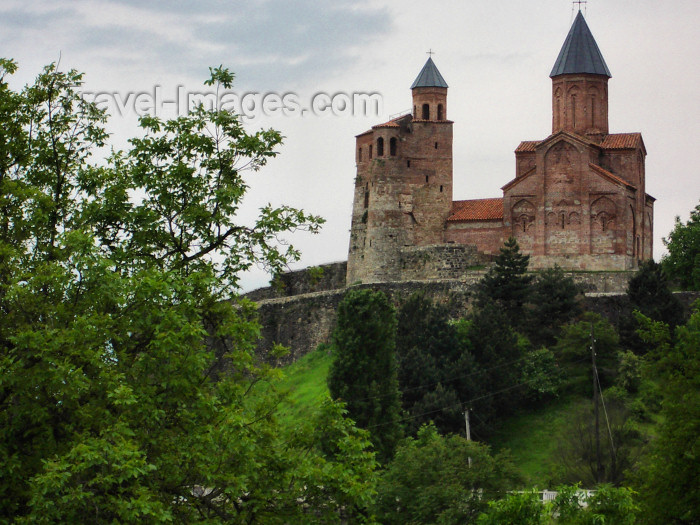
x,y
573,111
366,199
426,178
359,155
415,114
380,147
440,116
370,152
392,146
440,188
408,163
426,112
436,145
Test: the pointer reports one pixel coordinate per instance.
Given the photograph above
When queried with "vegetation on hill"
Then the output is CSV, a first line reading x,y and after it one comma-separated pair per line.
x,y
525,364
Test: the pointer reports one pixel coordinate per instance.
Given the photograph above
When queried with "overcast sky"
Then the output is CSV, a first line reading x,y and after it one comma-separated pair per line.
x,y
495,55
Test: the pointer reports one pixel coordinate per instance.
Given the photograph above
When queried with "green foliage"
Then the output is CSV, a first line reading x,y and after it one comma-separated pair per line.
x,y
128,388
493,362
506,283
553,301
429,352
606,505
648,292
541,374
668,478
610,505
364,373
430,480
523,508
573,350
621,443
683,260
315,275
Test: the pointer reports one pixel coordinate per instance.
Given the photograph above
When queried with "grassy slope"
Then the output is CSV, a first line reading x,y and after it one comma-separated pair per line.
x,y
305,383
530,436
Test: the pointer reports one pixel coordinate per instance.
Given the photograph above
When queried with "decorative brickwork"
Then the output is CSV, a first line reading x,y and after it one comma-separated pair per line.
x,y
577,200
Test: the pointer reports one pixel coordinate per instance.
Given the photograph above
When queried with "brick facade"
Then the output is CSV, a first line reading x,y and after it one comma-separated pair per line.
x,y
577,200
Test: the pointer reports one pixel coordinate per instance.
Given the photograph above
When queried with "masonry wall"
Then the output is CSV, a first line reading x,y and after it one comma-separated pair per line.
x,y
442,261
304,321
488,236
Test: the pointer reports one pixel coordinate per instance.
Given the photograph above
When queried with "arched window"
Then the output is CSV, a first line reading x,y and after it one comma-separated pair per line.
x,y
426,112
440,115
392,146
380,147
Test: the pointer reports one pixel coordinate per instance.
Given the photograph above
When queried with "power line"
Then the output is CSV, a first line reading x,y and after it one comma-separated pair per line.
x,y
446,381
605,411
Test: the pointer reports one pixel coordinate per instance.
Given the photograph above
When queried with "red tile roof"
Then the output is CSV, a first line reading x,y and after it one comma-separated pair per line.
x,y
477,210
611,176
527,145
622,141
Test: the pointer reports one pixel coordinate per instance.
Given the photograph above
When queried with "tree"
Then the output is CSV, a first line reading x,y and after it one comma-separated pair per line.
x,y
491,367
620,441
683,260
118,319
607,505
668,477
553,301
648,292
507,283
363,373
428,351
573,351
441,479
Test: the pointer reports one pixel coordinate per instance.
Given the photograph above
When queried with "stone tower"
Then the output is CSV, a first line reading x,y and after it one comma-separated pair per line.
x,y
403,187
580,85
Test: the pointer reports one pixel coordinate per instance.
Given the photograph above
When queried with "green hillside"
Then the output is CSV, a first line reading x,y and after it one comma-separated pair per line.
x,y
531,436
304,383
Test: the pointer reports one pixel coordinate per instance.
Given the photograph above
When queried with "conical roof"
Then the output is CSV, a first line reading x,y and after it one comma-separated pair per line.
x,y
429,76
580,53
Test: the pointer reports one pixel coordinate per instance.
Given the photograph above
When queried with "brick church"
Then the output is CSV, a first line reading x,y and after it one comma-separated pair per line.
x,y
577,200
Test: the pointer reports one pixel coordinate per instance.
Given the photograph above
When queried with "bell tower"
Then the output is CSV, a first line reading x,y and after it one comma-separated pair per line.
x,y
403,187
580,85
429,94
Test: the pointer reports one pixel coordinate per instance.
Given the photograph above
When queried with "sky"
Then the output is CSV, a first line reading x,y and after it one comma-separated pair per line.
x,y
495,56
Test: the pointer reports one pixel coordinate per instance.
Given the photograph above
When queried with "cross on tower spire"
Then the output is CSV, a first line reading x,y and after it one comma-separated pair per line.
x,y
430,52
579,2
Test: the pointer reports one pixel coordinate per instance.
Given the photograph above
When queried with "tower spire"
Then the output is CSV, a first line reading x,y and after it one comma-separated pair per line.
x,y
580,84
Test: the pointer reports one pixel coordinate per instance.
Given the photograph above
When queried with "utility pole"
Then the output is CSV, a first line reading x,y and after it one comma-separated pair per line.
x,y
599,466
469,434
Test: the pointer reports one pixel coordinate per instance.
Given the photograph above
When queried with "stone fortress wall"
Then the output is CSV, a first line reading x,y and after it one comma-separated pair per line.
x,y
302,313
